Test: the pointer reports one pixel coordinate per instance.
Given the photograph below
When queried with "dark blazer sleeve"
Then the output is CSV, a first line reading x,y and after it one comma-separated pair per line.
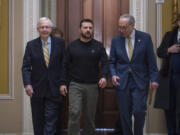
x,y
104,62
61,44
112,59
152,64
162,50
168,40
65,67
26,66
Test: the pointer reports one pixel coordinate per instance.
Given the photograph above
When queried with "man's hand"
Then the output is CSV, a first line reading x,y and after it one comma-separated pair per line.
x,y
29,90
63,90
174,48
154,85
102,83
115,80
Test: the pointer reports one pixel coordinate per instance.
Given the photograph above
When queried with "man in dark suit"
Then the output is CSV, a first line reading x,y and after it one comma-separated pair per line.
x,y
132,66
168,93
40,70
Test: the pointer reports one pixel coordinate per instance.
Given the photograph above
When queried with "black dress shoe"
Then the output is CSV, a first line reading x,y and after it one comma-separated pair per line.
x,y
115,132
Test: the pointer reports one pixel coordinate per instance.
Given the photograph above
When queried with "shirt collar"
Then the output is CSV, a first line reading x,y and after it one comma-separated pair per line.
x,y
48,41
178,33
132,35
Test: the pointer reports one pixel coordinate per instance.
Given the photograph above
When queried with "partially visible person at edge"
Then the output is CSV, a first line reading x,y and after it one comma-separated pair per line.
x,y
168,94
132,67
56,32
81,62
41,68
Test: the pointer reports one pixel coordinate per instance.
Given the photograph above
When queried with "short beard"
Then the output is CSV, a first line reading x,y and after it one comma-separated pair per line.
x,y
85,37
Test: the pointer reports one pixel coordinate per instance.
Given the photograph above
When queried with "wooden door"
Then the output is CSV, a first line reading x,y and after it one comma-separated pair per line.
x,y
105,14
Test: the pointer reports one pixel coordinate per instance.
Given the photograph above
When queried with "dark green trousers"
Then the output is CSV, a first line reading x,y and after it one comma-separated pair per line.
x,y
82,97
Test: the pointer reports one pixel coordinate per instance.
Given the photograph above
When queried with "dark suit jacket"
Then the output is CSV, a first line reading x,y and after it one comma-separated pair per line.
x,y
163,91
34,70
142,65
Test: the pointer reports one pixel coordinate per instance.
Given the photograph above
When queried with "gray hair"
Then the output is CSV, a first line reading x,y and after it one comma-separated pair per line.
x,y
129,17
44,19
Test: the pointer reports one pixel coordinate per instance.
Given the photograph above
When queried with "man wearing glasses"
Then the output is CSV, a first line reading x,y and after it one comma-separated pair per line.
x,y
132,67
40,70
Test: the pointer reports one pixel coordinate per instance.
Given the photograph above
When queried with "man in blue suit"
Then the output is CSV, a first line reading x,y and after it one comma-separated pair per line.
x,y
132,66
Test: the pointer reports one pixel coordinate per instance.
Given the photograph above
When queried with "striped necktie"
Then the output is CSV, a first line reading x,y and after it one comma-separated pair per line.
x,y
46,54
130,48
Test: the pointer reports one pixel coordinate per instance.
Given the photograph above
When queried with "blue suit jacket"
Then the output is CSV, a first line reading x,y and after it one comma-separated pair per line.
x,y
143,64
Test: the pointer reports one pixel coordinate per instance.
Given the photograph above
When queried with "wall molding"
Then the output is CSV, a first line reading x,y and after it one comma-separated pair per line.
x,y
10,94
158,28
139,9
8,134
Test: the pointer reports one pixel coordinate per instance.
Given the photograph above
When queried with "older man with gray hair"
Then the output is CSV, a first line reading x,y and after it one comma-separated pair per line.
x,y
132,66
41,69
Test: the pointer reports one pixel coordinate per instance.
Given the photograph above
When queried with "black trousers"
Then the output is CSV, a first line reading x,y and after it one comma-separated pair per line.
x,y
45,115
171,116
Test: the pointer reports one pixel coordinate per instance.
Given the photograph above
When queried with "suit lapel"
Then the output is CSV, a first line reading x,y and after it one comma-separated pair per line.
x,y
52,50
123,48
136,44
40,50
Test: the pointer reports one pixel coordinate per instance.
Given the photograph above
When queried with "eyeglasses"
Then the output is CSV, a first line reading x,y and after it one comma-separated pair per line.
x,y
124,27
44,27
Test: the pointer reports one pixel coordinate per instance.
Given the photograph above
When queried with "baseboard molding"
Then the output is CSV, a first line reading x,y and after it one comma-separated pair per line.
x,y
144,134
28,133
25,133
154,134
8,134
